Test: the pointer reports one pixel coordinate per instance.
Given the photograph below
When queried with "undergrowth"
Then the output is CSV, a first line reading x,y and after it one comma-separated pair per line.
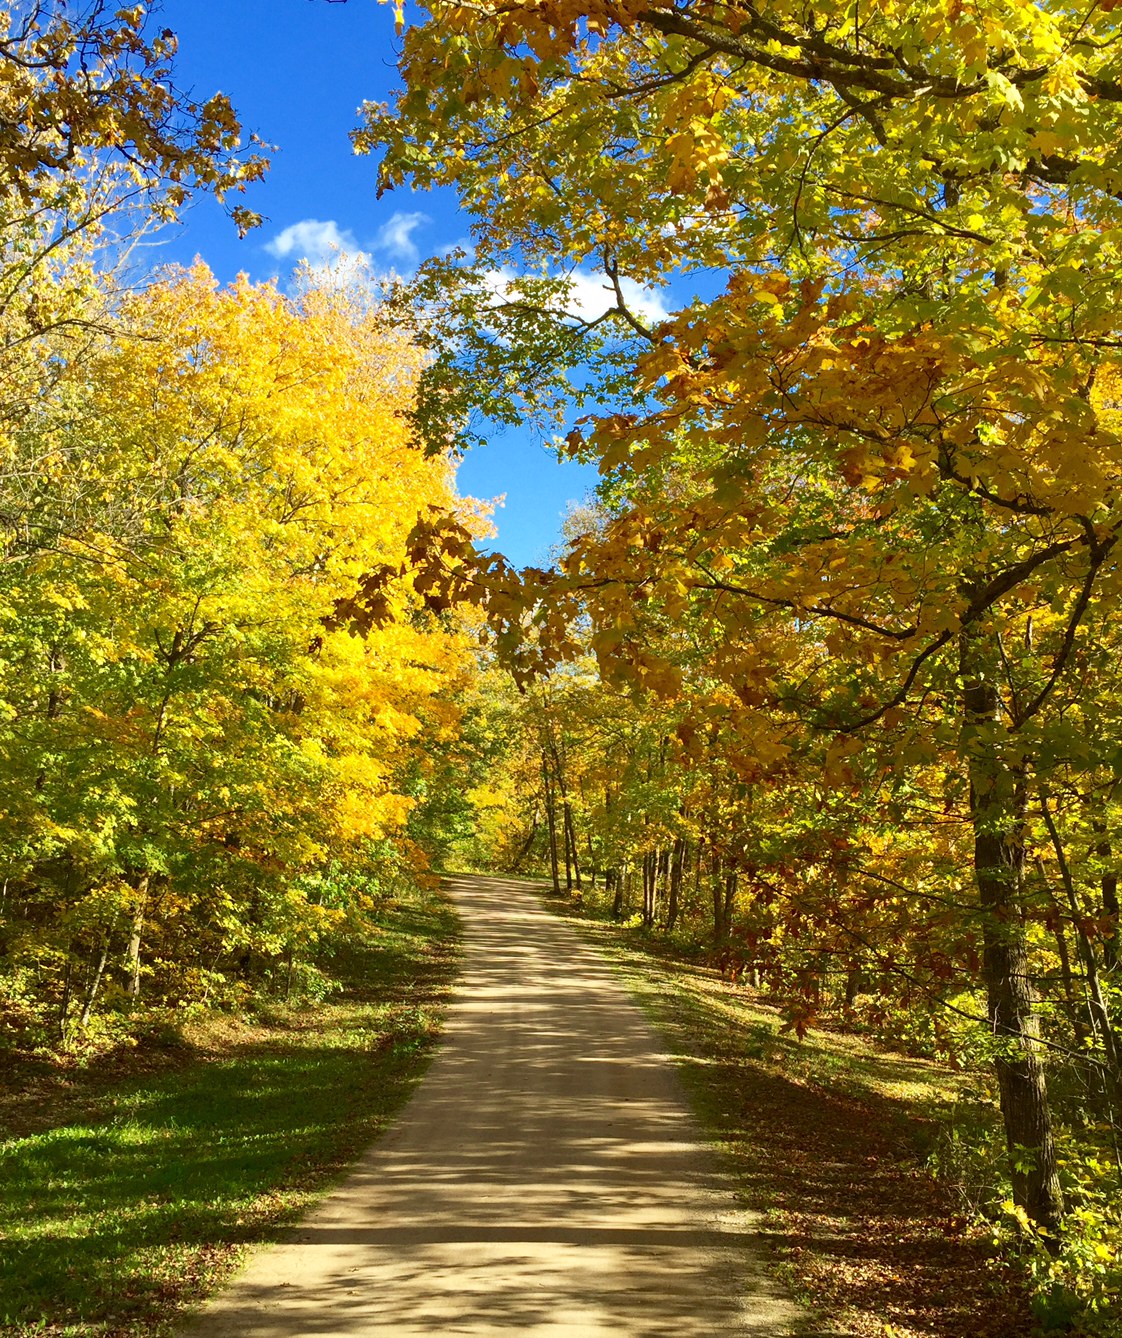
x,y
131,1183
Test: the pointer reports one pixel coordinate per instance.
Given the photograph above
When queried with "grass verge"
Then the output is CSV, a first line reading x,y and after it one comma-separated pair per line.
x,y
830,1138
129,1190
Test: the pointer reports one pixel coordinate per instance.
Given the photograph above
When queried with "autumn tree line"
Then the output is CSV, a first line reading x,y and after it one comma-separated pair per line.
x,y
207,770
833,660
825,676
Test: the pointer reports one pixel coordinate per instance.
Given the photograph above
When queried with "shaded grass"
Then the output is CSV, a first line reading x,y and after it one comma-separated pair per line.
x,y
830,1138
126,1197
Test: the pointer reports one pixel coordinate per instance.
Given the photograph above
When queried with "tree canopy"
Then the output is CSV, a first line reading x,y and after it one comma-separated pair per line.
x,y
862,485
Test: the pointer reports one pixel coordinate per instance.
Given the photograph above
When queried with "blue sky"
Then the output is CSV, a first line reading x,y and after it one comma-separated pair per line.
x,y
297,72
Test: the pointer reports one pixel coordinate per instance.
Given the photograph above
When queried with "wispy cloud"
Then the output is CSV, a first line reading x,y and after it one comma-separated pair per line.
x,y
395,237
591,295
319,242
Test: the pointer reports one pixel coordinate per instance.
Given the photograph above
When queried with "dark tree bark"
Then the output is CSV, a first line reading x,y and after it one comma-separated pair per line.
x,y
677,865
572,858
650,888
524,849
998,815
854,983
723,884
551,823
613,882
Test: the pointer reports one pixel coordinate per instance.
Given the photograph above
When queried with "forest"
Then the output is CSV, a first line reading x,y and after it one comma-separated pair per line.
x,y
821,688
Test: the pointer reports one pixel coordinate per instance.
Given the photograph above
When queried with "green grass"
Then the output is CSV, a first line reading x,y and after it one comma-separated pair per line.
x,y
711,1024
139,1198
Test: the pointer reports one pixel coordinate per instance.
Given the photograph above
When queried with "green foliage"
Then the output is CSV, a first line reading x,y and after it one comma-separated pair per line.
x,y
129,1209
204,771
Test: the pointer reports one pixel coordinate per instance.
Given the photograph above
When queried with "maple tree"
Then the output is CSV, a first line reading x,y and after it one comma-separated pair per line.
x,y
89,82
99,144
203,765
873,457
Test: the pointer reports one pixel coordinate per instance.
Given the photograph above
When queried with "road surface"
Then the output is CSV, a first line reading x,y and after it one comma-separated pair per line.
x,y
545,1179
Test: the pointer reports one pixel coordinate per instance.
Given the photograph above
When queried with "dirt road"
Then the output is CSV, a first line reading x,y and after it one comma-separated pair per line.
x,y
546,1179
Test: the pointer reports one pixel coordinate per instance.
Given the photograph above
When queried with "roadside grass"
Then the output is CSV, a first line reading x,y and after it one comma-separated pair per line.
x,y
831,1139
127,1196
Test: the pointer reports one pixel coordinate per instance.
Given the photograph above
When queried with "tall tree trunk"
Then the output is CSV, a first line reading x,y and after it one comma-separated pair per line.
x,y
132,952
572,862
571,854
551,822
997,814
677,862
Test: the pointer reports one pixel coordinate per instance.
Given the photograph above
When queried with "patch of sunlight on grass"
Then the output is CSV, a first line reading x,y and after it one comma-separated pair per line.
x,y
121,1221
707,1019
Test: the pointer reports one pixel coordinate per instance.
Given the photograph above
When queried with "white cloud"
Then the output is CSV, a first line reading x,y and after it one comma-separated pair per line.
x,y
591,295
396,236
322,244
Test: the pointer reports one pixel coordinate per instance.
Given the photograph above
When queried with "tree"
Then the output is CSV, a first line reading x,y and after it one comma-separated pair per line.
x,y
86,82
98,144
875,448
192,733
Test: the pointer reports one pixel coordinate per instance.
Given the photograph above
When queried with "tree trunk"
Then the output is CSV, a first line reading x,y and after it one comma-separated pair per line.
x,y
67,988
650,887
95,984
132,952
731,880
1098,1009
613,882
572,863
1073,1004
571,854
677,863
854,981
551,821
524,849
997,814
1109,886
717,892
